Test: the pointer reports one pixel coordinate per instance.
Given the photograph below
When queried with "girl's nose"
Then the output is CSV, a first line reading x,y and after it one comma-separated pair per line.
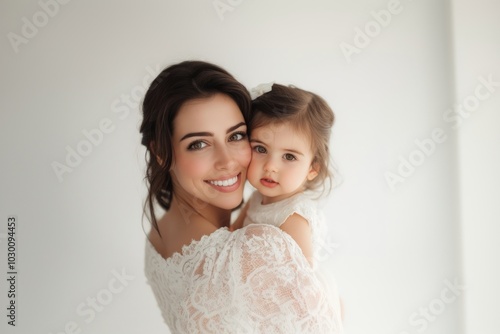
x,y
270,166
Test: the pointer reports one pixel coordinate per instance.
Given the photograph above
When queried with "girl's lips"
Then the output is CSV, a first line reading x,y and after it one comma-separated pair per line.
x,y
226,185
268,183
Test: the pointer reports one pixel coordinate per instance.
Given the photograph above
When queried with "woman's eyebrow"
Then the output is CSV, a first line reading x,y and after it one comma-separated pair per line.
x,y
210,134
235,127
197,134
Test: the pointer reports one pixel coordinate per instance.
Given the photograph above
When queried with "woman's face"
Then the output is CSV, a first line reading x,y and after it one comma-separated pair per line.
x,y
211,151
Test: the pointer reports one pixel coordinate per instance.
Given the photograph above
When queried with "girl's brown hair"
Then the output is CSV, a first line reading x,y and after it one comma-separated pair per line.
x,y
308,114
174,86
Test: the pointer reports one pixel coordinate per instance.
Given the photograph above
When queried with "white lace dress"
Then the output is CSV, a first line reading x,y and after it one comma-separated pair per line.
x,y
277,213
253,280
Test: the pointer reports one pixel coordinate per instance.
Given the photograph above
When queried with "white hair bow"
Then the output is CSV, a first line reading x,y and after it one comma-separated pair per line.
x,y
261,89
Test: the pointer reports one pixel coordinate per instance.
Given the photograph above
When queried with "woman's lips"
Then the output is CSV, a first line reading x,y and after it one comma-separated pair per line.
x,y
226,185
268,183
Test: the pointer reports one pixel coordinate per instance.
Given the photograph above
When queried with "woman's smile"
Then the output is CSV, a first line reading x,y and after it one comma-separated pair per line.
x,y
226,184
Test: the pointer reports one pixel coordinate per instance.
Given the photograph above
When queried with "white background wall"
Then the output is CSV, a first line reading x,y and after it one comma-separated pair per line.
x,y
477,53
397,250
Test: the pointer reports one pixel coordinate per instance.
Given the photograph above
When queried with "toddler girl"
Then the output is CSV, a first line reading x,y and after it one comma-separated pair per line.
x,y
289,134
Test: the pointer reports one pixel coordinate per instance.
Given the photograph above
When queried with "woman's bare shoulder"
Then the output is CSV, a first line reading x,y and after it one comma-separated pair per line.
x,y
157,242
175,234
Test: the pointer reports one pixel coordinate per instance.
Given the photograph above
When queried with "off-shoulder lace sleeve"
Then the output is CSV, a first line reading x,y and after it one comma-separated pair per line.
x,y
279,290
253,280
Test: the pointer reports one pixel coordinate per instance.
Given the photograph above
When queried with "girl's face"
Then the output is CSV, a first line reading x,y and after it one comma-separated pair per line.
x,y
281,162
211,152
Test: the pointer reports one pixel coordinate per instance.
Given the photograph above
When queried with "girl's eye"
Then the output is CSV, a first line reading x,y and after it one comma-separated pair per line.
x,y
196,146
289,157
238,136
259,149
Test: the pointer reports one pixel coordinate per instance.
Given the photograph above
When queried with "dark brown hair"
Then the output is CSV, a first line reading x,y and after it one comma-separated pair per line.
x,y
308,114
174,86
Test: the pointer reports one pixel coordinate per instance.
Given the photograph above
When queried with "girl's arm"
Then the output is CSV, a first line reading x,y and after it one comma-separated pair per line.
x,y
298,228
239,221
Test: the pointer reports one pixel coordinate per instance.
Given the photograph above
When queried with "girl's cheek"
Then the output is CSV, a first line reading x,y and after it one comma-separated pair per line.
x,y
251,164
243,153
248,157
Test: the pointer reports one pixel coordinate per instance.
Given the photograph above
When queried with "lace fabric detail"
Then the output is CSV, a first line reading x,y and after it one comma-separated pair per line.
x,y
253,280
277,213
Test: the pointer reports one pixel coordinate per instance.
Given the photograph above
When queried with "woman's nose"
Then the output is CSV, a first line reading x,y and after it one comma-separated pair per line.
x,y
225,159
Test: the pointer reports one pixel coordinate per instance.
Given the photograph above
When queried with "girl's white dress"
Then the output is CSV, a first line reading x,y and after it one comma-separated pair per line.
x,y
253,280
303,204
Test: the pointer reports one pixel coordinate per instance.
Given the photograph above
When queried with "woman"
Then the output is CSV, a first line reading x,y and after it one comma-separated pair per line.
x,y
207,279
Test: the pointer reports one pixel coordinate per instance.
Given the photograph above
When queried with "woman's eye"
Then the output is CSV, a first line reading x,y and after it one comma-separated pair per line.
x,y
259,149
238,136
197,145
289,157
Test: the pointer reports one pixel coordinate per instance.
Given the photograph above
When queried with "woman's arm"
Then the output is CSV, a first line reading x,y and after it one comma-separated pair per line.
x,y
277,288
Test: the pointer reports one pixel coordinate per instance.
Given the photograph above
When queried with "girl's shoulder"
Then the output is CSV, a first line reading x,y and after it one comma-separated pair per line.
x,y
303,201
304,205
